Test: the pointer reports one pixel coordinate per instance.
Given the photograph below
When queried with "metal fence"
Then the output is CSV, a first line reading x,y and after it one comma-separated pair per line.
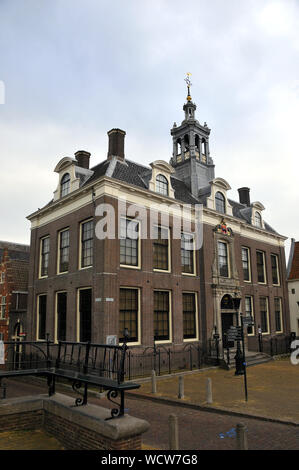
x,y
163,360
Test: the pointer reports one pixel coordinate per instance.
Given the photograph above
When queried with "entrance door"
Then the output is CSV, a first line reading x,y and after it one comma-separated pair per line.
x,y
227,320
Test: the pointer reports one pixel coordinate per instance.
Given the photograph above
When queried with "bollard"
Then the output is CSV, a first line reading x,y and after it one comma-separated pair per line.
x,y
209,391
242,442
173,432
154,382
181,387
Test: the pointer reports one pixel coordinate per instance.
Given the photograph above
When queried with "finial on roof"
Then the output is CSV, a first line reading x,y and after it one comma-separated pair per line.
x,y
189,84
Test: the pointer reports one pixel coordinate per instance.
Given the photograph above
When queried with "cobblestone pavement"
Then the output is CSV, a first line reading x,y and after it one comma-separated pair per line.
x,y
273,390
28,440
198,430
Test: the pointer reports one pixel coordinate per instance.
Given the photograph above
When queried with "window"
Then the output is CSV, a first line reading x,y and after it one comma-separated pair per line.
x,y
189,315
84,315
223,259
220,202
44,256
63,254
246,264
129,233
261,273
41,316
61,305
65,184
278,315
128,314
86,244
264,315
3,306
187,254
275,270
258,219
249,313
293,291
161,316
162,185
161,249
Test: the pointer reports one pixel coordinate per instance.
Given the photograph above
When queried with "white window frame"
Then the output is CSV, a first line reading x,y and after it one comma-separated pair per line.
x,y
268,320
58,250
138,342
169,251
228,258
249,263
277,269
131,266
40,257
78,310
3,307
194,257
166,341
56,314
37,316
281,318
80,245
264,267
196,338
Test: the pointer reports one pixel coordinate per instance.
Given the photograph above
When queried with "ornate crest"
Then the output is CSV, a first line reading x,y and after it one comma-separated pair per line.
x,y
223,229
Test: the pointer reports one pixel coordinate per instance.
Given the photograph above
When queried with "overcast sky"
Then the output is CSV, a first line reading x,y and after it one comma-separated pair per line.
x,y
73,69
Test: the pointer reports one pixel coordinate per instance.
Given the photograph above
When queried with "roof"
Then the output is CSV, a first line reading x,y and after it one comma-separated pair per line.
x,y
16,251
294,271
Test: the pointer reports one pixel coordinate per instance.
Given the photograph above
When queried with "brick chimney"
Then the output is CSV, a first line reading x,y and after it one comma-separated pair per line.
x,y
82,158
244,196
116,146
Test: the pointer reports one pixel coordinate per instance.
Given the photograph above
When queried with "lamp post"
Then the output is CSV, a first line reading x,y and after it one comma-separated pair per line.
x,y
239,355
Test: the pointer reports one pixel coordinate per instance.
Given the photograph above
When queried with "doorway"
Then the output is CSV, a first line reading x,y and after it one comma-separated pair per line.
x,y
227,320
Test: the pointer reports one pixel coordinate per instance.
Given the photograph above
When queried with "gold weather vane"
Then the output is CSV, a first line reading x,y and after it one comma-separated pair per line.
x,y
189,84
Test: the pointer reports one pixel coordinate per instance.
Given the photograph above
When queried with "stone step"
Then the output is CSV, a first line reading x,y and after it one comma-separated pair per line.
x,y
251,360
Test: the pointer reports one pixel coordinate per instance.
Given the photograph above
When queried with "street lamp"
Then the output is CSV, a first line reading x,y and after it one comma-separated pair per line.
x,y
239,355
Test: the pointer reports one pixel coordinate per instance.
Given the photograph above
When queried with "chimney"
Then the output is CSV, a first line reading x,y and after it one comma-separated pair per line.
x,y
82,158
244,196
116,147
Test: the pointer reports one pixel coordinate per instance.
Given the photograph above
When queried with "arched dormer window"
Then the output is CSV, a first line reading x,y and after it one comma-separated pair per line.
x,y
65,184
258,219
162,185
220,202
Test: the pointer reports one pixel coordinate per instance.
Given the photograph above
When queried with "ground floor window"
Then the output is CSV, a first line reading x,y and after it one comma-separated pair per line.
x,y
278,315
161,315
264,314
128,314
61,302
84,315
189,315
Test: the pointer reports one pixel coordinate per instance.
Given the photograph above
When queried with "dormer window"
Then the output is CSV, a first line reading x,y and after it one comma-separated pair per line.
x,y
162,185
65,184
220,202
258,220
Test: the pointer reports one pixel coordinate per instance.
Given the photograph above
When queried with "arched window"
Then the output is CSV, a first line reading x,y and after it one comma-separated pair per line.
x,y
258,219
186,142
179,148
162,185
220,202
65,184
203,147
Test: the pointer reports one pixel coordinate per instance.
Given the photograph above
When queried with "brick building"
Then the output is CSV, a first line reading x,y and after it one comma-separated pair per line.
x,y
84,287
14,266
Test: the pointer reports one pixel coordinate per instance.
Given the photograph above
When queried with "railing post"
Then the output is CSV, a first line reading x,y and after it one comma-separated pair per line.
x,y
159,354
48,352
271,346
85,367
190,350
58,355
241,440
173,432
169,365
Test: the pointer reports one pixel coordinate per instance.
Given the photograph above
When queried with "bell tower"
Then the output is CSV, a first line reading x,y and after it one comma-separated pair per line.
x,y
191,153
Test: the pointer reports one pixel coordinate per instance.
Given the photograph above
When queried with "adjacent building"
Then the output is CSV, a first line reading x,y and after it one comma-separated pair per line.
x,y
293,286
14,266
144,276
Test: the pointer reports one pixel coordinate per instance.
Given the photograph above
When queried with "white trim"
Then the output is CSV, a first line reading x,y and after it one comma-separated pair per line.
x,y
58,250
264,267
80,245
131,266
78,311
138,342
169,251
281,317
249,263
40,256
277,269
166,341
